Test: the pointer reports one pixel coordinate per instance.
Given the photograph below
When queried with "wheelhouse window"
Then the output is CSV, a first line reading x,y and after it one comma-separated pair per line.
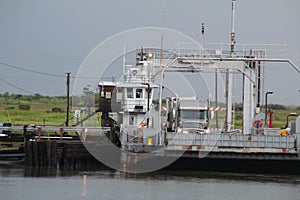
x,y
139,93
130,93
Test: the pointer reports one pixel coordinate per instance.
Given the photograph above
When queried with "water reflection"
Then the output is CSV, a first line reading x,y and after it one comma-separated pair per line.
x,y
16,181
40,172
84,186
11,169
8,169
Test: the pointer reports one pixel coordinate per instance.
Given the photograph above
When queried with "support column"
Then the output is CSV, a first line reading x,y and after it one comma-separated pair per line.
x,y
248,100
228,95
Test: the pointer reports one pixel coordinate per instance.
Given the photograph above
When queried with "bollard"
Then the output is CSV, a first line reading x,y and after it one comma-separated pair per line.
x,y
39,133
61,133
149,141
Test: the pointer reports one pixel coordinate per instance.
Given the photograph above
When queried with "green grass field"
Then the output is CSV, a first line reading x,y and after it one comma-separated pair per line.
x,y
40,112
51,111
279,116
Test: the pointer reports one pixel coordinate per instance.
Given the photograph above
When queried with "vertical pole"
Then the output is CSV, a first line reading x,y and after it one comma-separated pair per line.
x,y
162,37
299,97
61,132
232,28
100,96
39,133
266,108
124,59
227,101
202,31
202,51
148,99
160,61
148,102
258,84
216,96
228,92
161,74
248,99
68,98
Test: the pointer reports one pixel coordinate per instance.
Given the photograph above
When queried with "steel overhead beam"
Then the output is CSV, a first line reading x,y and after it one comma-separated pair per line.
x,y
244,60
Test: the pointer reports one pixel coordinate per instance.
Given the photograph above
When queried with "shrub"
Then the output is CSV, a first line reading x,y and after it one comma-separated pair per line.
x,y
10,108
277,107
57,110
238,116
24,107
37,96
18,96
238,107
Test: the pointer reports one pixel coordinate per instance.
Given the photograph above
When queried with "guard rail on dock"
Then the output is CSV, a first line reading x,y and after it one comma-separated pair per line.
x,y
41,132
235,142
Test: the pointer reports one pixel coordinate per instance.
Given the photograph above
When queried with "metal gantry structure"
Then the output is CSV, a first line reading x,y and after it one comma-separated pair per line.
x,y
248,60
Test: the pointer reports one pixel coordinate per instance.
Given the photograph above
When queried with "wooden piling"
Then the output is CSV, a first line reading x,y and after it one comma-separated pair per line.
x,y
28,154
35,152
53,154
58,154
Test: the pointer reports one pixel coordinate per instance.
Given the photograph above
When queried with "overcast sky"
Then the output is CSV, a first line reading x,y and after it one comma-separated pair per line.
x,y
54,36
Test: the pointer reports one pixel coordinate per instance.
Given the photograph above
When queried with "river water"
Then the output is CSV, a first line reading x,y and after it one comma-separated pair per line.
x,y
17,183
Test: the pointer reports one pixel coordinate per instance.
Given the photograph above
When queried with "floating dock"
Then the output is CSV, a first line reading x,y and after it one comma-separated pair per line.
x,y
206,152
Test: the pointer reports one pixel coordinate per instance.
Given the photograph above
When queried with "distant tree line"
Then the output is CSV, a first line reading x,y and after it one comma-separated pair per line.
x,y
36,96
239,107
22,101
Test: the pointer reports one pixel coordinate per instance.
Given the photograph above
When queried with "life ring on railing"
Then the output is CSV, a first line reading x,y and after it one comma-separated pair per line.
x,y
257,123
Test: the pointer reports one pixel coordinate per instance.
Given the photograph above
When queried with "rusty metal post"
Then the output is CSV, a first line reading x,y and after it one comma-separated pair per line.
x,y
39,133
61,132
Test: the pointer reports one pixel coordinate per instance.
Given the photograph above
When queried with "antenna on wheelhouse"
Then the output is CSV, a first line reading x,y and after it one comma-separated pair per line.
x,y
162,36
124,59
161,70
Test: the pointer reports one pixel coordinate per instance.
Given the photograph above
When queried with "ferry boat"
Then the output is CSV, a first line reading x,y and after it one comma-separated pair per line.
x,y
147,126
165,130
